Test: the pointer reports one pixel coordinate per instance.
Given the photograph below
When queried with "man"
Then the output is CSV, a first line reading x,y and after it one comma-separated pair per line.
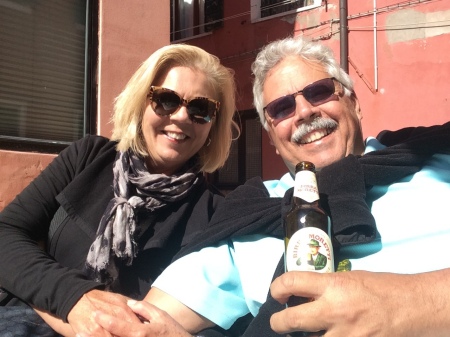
x,y
310,111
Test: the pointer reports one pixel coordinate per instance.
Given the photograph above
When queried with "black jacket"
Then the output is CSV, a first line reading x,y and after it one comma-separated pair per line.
x,y
80,181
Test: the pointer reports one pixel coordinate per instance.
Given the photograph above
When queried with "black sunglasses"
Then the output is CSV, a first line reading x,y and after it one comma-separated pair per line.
x,y
316,93
165,102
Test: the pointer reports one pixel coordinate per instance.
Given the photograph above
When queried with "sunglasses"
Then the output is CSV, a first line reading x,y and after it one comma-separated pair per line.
x,y
316,93
165,102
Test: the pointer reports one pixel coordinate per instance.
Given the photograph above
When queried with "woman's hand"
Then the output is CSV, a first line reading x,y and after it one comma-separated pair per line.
x,y
155,322
359,303
82,318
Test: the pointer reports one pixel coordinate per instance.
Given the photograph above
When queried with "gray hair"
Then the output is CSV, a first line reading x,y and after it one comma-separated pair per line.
x,y
276,51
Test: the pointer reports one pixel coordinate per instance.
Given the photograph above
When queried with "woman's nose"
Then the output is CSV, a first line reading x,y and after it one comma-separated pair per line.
x,y
181,114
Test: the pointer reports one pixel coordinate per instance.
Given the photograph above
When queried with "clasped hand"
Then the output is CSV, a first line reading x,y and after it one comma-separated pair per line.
x,y
103,314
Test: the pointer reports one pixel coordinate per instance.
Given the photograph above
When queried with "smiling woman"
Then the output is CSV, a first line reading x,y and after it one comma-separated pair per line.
x,y
175,132
128,203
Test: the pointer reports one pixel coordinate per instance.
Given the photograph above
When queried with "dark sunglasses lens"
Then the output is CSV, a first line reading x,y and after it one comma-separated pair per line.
x,y
201,110
281,107
165,103
319,92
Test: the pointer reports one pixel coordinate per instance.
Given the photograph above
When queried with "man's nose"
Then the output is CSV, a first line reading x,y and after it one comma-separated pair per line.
x,y
304,111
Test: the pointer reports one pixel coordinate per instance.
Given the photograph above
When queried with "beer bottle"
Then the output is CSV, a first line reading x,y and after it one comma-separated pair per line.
x,y
307,229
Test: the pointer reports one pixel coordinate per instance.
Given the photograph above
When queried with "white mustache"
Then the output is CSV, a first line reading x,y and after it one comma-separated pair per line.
x,y
316,124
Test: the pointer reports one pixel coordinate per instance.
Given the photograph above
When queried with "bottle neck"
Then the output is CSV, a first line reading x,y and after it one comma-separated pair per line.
x,y
305,187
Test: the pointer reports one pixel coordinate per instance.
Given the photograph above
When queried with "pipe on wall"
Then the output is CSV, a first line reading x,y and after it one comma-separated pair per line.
x,y
343,33
375,49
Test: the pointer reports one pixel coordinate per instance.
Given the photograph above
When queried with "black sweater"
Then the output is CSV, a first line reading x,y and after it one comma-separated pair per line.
x,y
80,181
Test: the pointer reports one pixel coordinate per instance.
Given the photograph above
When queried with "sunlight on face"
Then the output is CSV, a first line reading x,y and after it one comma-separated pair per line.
x,y
321,147
172,140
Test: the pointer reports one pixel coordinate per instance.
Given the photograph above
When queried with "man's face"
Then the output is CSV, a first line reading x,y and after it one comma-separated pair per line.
x,y
320,146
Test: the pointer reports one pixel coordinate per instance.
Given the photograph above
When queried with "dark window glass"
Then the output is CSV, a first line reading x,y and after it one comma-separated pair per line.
x,y
195,17
244,161
43,74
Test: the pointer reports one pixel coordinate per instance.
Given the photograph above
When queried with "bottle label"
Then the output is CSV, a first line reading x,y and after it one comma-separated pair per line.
x,y
310,249
306,186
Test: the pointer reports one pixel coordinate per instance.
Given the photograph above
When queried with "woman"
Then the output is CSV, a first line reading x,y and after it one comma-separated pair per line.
x,y
126,205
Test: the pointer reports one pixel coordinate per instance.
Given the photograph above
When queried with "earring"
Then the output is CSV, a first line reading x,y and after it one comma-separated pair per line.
x,y
208,141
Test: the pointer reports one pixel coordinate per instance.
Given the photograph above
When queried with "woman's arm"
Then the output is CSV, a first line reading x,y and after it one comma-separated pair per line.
x,y
81,318
56,323
27,270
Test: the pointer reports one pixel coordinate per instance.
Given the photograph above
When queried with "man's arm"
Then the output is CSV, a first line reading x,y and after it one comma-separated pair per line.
x,y
189,319
365,303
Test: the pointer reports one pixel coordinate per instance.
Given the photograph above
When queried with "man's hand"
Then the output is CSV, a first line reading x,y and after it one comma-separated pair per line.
x,y
358,303
155,322
81,317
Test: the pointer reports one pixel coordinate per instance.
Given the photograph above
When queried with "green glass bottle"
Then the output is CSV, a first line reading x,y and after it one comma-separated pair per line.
x,y
307,229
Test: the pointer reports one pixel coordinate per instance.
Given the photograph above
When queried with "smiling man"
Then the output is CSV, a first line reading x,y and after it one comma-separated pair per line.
x,y
323,131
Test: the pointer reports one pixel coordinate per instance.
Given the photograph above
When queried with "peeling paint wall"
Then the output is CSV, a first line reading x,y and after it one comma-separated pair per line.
x,y
412,24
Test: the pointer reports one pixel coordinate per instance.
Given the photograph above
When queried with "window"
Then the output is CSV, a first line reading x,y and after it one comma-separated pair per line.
x,y
244,161
44,78
189,18
261,9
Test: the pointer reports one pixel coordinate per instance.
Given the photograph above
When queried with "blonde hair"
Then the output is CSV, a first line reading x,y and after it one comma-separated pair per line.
x,y
131,103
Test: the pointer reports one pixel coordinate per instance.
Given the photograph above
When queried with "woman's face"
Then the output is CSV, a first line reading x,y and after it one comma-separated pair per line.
x,y
172,140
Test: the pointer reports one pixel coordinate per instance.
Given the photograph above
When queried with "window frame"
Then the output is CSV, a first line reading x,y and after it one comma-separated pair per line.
x,y
201,26
90,94
255,10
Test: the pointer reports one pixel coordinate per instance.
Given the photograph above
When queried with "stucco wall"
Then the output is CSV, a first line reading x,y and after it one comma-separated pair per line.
x,y
398,58
17,171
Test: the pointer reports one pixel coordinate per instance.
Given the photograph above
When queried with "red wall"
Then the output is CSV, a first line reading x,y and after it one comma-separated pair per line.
x,y
412,63
402,82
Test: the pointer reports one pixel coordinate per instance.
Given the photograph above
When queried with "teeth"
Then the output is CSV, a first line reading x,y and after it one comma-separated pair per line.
x,y
315,135
175,135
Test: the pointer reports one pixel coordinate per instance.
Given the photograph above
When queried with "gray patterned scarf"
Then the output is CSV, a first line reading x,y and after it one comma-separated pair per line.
x,y
134,188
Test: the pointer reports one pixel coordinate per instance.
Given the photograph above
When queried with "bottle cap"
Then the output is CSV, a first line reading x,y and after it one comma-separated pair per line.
x,y
305,165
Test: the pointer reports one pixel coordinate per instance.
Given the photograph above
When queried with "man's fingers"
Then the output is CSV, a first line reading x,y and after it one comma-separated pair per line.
x,y
296,283
145,310
304,317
